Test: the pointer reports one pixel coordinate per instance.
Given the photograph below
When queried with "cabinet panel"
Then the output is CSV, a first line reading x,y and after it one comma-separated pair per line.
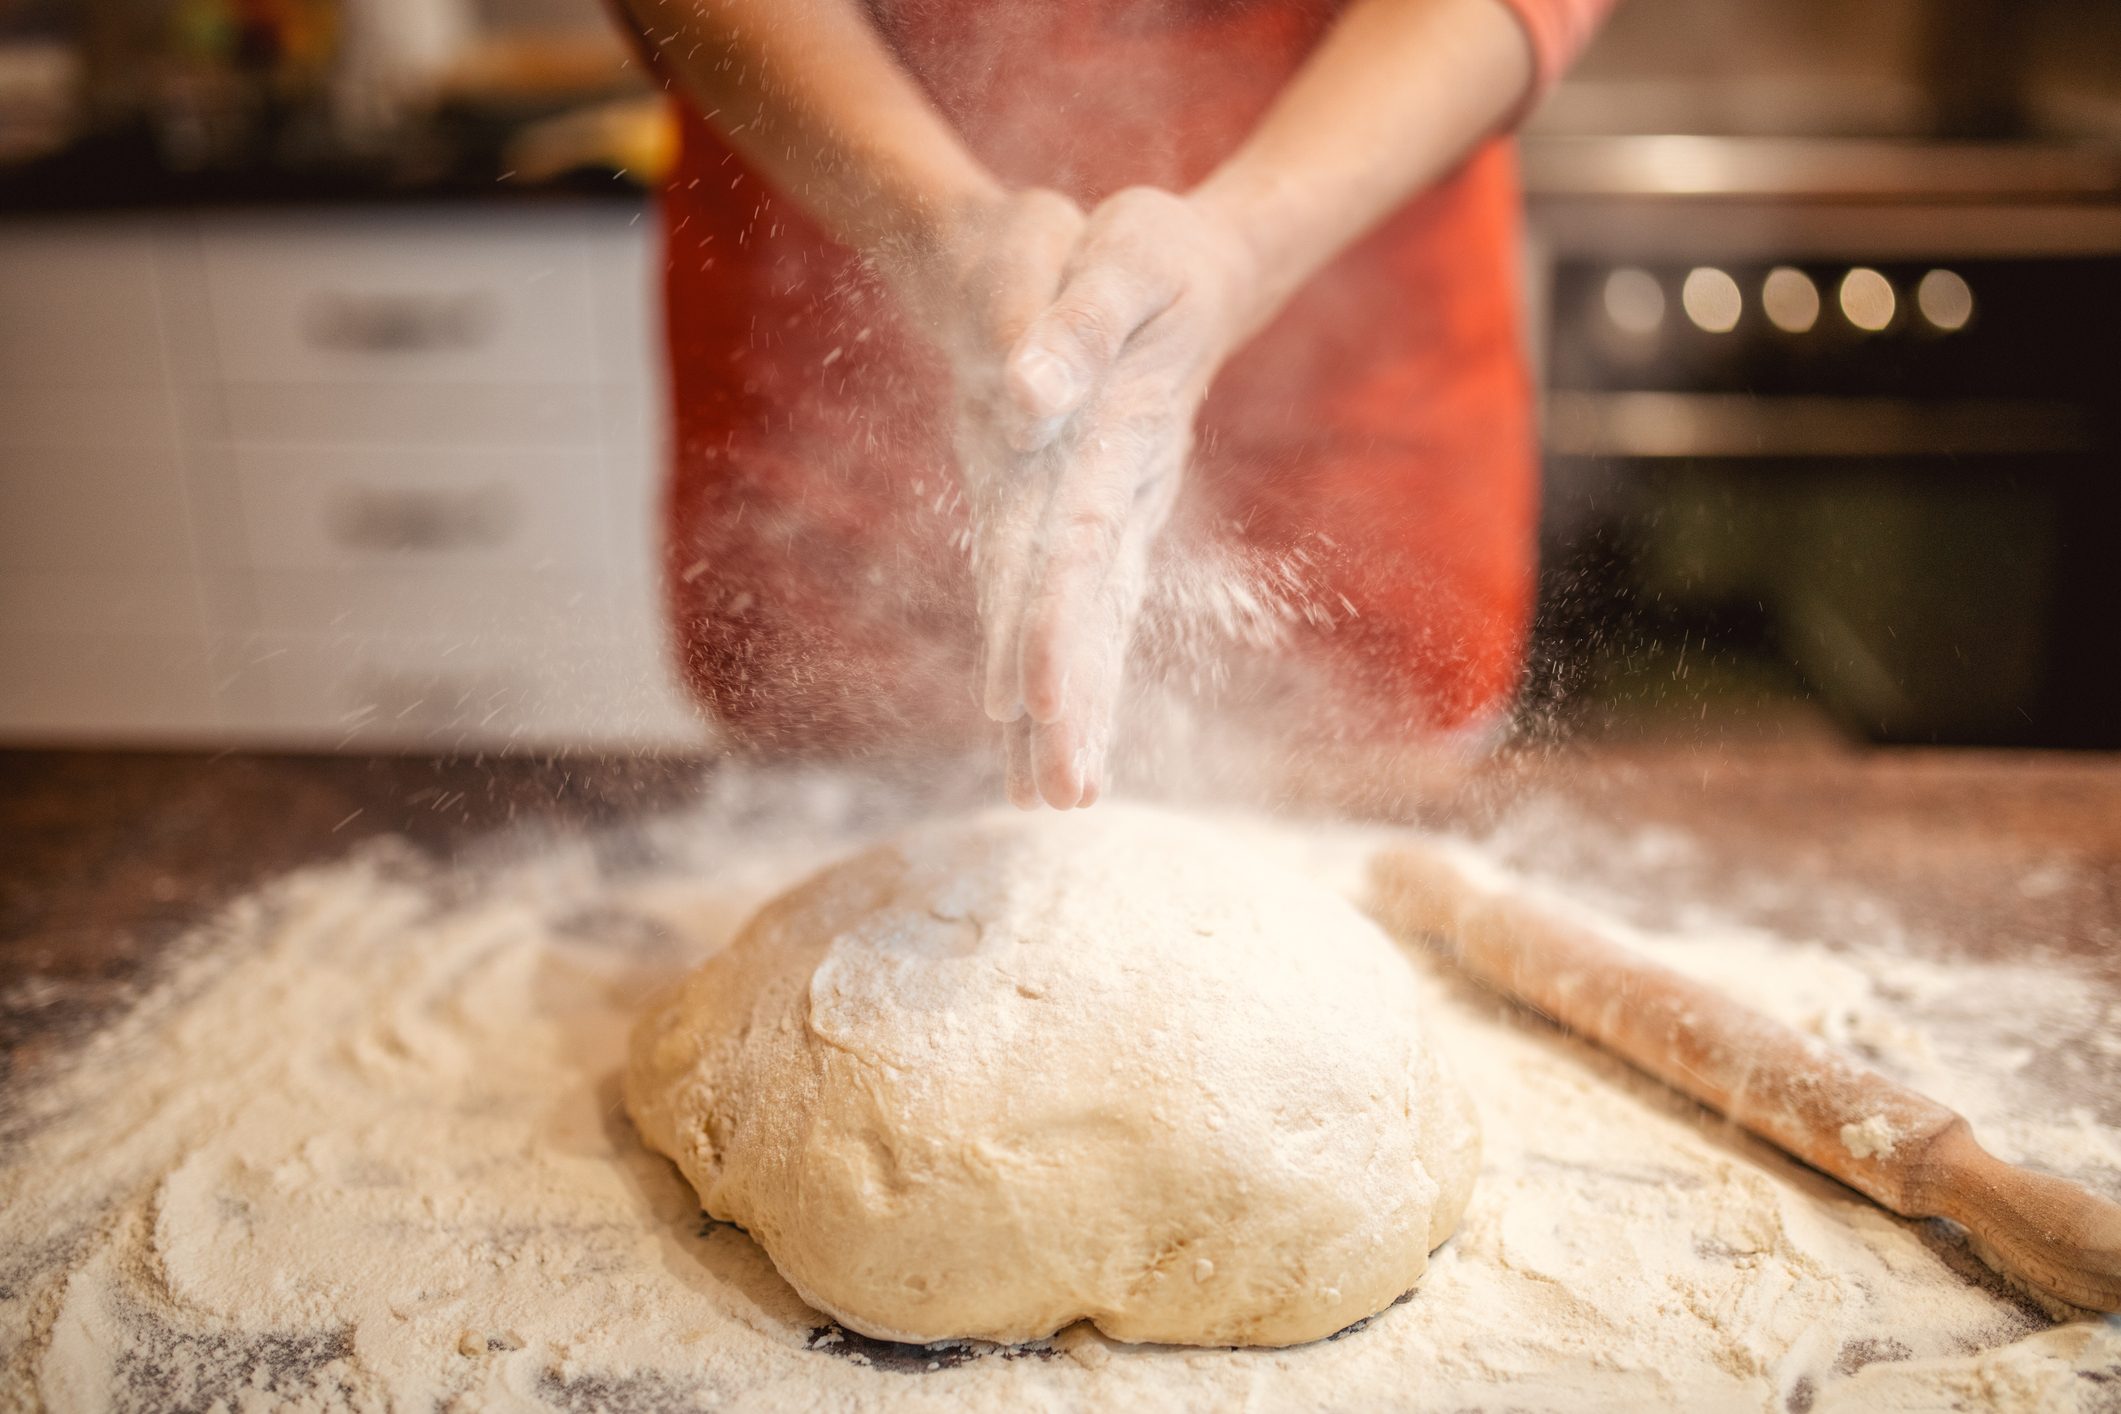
x,y
625,286
413,414
442,601
68,688
84,415
102,601
450,295
389,477
79,305
337,508
365,692
88,509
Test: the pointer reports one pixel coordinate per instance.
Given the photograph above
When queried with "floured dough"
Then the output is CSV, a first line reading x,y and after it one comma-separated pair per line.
x,y
1008,1073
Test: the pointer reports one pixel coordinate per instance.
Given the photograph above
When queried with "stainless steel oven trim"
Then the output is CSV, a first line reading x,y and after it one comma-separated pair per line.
x,y
1737,425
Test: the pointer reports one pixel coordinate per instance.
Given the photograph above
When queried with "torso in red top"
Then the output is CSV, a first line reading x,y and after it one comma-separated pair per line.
x,y
1381,426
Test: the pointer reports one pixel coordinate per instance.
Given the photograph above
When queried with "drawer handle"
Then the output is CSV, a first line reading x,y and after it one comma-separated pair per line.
x,y
400,521
398,324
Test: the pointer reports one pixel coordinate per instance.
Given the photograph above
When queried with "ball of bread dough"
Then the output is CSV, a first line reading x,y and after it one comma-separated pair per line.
x,y
1011,1072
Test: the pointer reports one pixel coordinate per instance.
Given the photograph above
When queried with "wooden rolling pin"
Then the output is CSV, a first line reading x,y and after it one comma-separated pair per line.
x,y
1899,1148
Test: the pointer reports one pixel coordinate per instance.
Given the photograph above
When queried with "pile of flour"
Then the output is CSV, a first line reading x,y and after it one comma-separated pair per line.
x,y
362,1148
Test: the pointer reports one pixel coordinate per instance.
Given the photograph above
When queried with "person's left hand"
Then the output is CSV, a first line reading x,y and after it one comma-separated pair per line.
x,y
1105,383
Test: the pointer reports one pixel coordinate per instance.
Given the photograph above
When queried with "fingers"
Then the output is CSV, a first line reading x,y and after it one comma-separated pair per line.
x,y
1019,281
1067,756
1004,553
1083,583
1056,764
1085,523
1097,512
1028,279
1069,752
1070,346
1018,775
999,698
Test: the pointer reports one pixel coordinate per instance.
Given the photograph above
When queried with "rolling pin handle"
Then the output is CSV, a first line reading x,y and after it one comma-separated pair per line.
x,y
2055,1235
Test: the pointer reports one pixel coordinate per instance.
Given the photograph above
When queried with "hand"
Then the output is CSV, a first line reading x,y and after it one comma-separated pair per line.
x,y
1103,385
973,281
974,285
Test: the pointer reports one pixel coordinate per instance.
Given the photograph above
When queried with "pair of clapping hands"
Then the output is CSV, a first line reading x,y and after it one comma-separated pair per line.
x,y
1080,345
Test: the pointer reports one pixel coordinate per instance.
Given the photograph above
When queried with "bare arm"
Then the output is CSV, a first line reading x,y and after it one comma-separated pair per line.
x,y
1395,96
807,93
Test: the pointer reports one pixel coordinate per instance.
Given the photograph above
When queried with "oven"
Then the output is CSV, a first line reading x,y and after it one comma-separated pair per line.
x,y
1849,407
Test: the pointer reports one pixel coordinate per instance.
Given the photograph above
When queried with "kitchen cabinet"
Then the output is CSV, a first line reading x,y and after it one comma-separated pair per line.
x,y
382,297
327,477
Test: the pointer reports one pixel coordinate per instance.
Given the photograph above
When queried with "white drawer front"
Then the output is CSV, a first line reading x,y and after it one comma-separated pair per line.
x,y
428,694
90,510
472,297
368,691
444,601
85,415
102,601
338,508
625,273
78,305
77,688
412,414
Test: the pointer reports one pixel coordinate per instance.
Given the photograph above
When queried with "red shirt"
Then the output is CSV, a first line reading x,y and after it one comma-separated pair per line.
x,y
1379,434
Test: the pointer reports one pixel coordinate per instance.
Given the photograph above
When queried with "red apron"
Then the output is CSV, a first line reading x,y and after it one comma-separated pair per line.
x,y
1381,427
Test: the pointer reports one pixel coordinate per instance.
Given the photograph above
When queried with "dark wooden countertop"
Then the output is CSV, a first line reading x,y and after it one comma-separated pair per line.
x,y
109,856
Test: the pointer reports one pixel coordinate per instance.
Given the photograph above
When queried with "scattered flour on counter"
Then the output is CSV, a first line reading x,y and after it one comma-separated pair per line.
x,y
364,1151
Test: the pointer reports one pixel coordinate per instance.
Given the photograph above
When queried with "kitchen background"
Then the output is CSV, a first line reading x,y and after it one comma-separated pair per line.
x,y
328,384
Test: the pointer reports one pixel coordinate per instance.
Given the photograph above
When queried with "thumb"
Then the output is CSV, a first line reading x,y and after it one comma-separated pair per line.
x,y
1067,350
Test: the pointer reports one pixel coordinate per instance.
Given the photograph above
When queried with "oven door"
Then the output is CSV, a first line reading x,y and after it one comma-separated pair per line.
x,y
1901,477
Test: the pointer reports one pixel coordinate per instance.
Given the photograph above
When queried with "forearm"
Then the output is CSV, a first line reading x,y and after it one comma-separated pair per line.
x,y
1394,96
807,93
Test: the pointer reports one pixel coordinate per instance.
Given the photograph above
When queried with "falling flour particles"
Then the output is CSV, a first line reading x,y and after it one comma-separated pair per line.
x,y
361,1147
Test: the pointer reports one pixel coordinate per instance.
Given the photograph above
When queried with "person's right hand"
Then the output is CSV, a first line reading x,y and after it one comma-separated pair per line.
x,y
1105,382
974,288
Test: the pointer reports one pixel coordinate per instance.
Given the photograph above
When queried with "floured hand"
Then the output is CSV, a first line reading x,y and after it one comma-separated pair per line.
x,y
975,288
1103,386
